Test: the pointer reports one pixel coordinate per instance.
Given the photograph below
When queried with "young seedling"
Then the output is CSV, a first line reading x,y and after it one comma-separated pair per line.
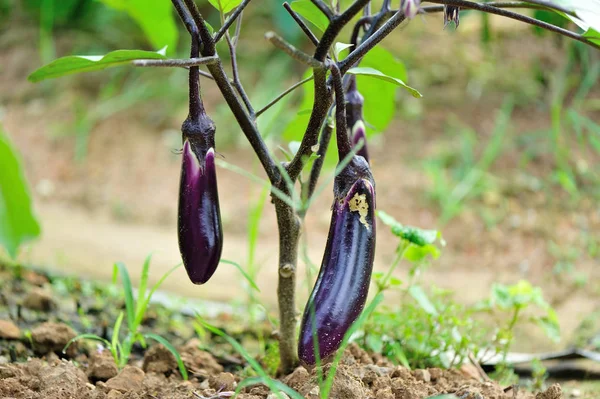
x,y
134,313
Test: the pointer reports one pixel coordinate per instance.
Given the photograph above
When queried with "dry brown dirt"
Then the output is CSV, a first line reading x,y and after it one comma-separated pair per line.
x,y
358,377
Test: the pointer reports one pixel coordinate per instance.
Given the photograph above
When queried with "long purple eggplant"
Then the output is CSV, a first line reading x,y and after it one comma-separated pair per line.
x,y
199,219
340,292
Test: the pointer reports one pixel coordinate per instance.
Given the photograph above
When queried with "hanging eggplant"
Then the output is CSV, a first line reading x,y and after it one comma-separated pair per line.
x,y
200,233
340,293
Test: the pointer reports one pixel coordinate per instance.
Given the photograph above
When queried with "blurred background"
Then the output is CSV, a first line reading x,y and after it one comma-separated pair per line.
x,y
501,154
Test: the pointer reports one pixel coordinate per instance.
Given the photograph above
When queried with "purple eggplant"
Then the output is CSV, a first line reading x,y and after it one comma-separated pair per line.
x,y
451,14
340,292
199,220
354,117
358,133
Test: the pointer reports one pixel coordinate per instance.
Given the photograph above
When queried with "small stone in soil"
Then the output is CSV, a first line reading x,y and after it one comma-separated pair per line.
x,y
9,330
53,337
39,299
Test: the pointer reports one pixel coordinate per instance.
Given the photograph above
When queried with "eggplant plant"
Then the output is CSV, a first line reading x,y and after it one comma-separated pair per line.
x,y
341,289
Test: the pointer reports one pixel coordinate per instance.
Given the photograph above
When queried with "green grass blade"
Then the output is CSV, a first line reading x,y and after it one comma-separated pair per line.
x,y
246,275
116,330
143,284
355,326
277,192
92,337
171,349
146,300
120,268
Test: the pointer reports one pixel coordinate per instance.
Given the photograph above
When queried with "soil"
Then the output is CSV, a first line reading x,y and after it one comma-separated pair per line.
x,y
357,377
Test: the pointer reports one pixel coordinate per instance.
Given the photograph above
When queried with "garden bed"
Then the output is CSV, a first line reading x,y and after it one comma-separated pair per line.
x,y
40,314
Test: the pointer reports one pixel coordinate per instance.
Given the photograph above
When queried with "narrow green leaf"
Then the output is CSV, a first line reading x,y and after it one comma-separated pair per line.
x,y
128,291
311,13
346,340
17,221
116,329
93,337
246,276
339,47
82,63
145,301
171,349
422,299
367,71
143,284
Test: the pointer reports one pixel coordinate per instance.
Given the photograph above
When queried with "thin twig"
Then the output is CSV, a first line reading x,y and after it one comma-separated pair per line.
x,y
183,63
519,17
292,51
315,171
237,83
371,42
282,95
311,36
497,4
230,20
323,8
335,27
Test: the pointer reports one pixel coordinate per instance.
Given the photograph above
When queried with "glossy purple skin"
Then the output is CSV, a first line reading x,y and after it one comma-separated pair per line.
x,y
199,221
358,134
342,286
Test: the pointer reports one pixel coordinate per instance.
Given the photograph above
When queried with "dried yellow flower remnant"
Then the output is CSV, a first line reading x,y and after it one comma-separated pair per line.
x,y
359,204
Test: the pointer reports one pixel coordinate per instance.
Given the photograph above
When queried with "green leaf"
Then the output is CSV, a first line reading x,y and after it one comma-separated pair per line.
x,y
422,299
414,235
339,47
311,13
171,349
154,17
120,268
141,310
88,63
367,71
225,6
415,253
246,276
17,221
92,337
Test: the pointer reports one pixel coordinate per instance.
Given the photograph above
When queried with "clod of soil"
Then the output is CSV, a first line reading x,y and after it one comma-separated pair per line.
x,y
554,392
129,379
39,299
9,330
102,367
53,337
160,360
198,361
222,382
